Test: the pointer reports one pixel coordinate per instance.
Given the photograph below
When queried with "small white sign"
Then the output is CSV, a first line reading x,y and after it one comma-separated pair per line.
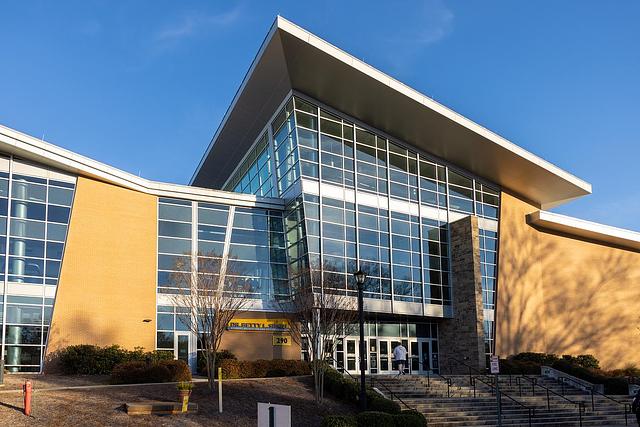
x,y
495,365
270,415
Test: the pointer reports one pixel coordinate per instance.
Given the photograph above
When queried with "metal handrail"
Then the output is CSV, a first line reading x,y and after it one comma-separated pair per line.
x,y
593,391
429,372
471,368
581,405
531,411
391,393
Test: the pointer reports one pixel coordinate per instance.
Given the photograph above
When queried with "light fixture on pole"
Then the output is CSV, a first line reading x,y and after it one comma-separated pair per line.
x,y
360,277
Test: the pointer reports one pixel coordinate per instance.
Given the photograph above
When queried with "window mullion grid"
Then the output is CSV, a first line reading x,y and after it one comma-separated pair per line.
x,y
6,260
420,234
449,261
320,216
390,226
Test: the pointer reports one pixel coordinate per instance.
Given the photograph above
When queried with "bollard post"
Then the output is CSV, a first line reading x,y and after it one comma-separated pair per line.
x,y
220,390
26,389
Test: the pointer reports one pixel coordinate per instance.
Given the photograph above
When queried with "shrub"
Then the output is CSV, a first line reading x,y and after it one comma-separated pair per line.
x,y
616,385
220,356
86,359
263,368
375,419
338,421
377,403
410,419
515,367
154,372
535,358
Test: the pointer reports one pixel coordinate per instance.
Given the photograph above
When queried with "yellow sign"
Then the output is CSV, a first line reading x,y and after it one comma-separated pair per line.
x,y
279,340
274,325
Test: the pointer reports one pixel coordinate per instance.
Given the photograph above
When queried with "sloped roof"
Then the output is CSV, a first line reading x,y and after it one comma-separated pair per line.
x,y
293,59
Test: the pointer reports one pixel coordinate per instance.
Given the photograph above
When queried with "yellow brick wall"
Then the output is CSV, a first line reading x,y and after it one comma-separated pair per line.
x,y
107,283
564,295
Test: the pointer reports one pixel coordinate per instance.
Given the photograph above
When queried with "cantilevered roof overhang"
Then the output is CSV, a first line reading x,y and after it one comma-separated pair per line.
x,y
291,58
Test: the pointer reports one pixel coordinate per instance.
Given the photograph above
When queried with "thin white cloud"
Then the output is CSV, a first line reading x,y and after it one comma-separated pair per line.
x,y
193,24
437,23
430,22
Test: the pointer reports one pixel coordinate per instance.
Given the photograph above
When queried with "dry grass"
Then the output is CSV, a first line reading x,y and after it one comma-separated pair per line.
x,y
104,406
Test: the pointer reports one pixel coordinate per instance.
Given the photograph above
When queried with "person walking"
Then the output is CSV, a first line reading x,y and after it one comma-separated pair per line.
x,y
635,406
400,356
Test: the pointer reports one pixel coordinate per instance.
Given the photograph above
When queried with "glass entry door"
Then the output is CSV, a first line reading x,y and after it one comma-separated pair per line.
x,y
181,349
351,355
428,352
386,366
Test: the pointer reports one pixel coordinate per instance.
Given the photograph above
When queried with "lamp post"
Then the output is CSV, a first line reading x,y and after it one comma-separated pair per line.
x,y
360,277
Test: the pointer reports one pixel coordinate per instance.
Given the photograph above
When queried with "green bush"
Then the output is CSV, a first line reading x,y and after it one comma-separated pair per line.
x,y
338,421
535,358
584,360
616,385
161,371
612,381
263,368
410,419
377,403
517,367
375,419
86,359
220,356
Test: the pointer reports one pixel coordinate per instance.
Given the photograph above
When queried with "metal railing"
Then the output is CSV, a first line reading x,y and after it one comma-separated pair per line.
x,y
430,372
357,380
531,411
591,390
534,382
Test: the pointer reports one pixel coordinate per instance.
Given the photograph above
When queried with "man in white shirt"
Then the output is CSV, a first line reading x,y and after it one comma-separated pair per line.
x,y
400,356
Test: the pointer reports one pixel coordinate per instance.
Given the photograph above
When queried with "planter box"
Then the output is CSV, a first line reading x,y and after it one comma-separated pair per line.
x,y
158,408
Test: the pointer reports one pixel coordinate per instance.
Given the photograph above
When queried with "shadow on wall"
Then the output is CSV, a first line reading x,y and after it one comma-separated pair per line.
x,y
564,296
84,332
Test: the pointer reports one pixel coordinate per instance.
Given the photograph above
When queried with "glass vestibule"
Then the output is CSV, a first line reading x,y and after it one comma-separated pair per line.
x,y
422,352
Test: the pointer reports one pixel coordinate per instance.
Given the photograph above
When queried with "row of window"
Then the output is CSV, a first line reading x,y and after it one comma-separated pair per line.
x,y
254,252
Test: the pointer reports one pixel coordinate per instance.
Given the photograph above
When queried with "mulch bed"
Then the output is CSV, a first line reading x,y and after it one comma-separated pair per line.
x,y
104,406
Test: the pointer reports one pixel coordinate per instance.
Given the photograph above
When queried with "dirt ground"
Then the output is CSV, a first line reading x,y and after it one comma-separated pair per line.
x,y
104,406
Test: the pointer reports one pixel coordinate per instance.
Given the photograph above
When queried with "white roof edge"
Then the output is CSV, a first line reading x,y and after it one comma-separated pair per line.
x,y
402,88
345,57
584,228
245,79
30,148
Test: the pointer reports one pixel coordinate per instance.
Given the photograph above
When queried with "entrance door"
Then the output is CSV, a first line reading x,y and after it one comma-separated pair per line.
x,y
351,354
385,356
181,346
428,352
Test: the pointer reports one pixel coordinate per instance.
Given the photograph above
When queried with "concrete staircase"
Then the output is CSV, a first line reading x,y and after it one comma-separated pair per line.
x,y
455,402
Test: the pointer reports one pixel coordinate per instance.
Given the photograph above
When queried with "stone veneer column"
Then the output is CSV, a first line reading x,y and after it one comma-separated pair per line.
x,y
462,336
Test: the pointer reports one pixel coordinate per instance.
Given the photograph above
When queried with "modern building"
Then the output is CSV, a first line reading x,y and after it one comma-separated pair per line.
x,y
321,163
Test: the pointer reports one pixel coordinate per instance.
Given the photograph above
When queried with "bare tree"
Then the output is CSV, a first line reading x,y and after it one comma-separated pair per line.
x,y
211,300
320,319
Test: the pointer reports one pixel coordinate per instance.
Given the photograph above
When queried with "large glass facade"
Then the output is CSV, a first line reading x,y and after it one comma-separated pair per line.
x,y
241,248
364,200
254,174
35,208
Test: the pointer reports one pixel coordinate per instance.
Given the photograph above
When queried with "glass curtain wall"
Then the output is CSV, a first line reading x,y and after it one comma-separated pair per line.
x,y
405,254
241,248
254,174
35,208
404,251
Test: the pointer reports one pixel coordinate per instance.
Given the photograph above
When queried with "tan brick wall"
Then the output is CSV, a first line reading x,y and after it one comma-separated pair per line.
x,y
107,282
564,295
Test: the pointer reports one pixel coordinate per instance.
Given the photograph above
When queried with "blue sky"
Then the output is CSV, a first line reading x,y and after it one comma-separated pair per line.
x,y
143,85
